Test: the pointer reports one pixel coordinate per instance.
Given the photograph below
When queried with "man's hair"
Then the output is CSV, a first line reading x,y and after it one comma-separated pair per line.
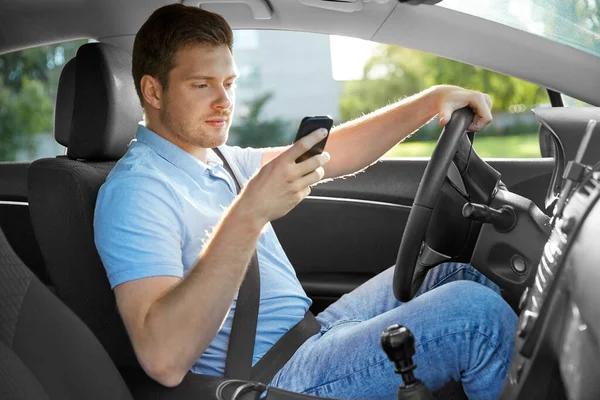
x,y
168,30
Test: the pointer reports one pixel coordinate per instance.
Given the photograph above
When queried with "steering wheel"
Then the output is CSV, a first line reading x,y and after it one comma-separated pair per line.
x,y
406,280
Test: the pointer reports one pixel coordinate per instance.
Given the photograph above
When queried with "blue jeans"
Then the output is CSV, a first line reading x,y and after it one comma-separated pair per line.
x,y
463,330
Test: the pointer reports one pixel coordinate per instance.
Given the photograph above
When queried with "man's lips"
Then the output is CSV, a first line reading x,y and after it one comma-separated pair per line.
x,y
219,121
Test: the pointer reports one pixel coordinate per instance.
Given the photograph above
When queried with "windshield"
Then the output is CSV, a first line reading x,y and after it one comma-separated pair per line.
x,y
575,23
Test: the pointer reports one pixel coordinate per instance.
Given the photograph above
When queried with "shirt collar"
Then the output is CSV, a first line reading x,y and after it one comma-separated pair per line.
x,y
174,154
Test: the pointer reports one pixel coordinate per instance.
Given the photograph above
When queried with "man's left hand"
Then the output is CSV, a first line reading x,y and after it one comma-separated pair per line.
x,y
451,98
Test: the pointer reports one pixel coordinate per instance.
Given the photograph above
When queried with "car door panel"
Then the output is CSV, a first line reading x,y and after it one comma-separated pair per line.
x,y
15,221
13,181
349,229
352,240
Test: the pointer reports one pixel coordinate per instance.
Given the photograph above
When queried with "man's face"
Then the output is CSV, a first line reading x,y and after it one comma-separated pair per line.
x,y
197,107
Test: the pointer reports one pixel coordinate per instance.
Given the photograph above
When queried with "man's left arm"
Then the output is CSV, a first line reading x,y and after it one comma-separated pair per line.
x,y
356,144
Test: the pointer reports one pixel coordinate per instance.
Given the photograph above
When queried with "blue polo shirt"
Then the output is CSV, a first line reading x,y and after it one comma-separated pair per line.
x,y
155,213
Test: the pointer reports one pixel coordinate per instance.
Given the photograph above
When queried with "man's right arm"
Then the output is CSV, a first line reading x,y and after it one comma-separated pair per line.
x,y
171,321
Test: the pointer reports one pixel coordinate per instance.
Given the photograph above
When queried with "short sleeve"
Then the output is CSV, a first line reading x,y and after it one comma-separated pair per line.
x,y
138,228
248,159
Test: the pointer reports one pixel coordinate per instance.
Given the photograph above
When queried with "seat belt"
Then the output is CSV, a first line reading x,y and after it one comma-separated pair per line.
x,y
240,350
243,327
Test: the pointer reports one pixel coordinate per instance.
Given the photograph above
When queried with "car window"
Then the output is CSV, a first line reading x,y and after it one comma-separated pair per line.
x,y
569,101
288,75
28,83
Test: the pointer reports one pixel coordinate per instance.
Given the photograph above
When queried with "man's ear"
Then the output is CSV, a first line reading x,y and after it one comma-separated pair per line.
x,y
151,91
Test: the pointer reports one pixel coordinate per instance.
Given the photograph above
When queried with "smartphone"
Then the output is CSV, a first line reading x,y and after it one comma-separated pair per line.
x,y
308,125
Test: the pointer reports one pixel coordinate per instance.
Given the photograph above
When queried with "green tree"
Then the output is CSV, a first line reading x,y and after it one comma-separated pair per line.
x,y
394,72
254,131
28,83
503,89
391,73
21,115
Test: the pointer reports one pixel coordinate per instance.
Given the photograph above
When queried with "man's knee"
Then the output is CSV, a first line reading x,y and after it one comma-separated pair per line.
x,y
482,305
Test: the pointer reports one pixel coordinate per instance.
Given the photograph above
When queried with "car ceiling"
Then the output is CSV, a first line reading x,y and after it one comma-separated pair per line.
x,y
436,30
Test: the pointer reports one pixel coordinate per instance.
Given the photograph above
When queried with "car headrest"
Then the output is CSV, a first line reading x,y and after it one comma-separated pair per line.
x,y
63,110
97,108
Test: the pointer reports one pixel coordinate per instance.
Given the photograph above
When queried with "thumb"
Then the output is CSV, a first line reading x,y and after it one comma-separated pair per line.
x,y
445,114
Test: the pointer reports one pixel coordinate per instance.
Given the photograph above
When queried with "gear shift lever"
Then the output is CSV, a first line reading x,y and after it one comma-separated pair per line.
x,y
398,343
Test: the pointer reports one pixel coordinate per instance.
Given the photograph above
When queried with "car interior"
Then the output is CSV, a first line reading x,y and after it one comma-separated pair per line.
x,y
527,224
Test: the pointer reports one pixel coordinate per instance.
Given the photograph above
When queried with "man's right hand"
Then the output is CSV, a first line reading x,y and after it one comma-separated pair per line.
x,y
281,183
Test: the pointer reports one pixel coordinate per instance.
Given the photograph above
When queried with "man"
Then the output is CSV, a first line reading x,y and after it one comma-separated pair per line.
x,y
176,240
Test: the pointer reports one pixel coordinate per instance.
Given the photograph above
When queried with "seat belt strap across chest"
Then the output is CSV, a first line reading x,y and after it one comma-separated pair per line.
x,y
240,350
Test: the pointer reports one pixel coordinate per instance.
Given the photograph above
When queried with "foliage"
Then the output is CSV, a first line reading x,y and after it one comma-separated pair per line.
x,y
21,114
252,130
390,72
28,81
394,71
522,146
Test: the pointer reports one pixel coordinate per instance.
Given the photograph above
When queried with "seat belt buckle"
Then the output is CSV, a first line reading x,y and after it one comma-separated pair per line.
x,y
248,390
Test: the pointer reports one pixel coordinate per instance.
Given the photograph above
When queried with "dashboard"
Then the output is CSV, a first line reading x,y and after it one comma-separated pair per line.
x,y
557,346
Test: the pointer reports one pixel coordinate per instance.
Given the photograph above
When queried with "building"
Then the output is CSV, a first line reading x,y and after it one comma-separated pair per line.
x,y
301,80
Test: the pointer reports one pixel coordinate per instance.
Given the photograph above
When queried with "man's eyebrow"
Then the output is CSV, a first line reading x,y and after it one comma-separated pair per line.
x,y
209,78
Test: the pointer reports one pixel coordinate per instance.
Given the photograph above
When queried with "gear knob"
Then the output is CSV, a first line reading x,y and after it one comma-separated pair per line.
x,y
398,343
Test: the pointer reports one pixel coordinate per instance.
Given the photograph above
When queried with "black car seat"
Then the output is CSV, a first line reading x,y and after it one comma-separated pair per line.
x,y
46,352
96,116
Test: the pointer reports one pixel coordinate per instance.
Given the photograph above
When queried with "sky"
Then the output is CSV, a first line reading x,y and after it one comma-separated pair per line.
x,y
348,57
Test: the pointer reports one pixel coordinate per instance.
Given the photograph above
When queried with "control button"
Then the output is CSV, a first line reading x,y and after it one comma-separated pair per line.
x,y
523,298
526,323
518,264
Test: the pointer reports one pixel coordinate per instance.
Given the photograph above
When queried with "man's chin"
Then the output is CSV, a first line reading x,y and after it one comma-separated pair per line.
x,y
222,139
215,139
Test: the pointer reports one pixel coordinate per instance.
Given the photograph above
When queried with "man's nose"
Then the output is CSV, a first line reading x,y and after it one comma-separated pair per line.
x,y
224,100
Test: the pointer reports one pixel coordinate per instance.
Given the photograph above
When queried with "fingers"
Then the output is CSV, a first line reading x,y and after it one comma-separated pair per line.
x,y
446,113
312,163
305,144
303,193
482,105
307,173
288,157
488,100
310,179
